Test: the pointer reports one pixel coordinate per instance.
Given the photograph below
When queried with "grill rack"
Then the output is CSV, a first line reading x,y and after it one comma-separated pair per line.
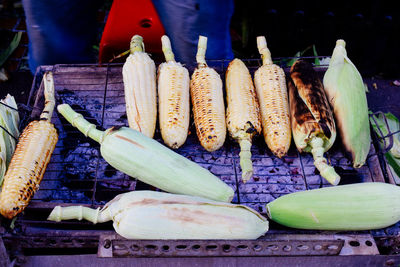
x,y
103,90
97,92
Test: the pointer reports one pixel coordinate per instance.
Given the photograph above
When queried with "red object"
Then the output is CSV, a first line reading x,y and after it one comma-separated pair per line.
x,y
125,19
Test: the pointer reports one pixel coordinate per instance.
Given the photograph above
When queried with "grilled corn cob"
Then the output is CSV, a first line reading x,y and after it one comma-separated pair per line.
x,y
139,76
271,89
312,120
156,215
346,92
30,159
353,207
208,102
147,160
173,98
243,112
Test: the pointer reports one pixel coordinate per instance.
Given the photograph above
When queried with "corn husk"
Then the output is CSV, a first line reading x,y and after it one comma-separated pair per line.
x,y
156,215
313,126
380,127
9,120
147,160
361,206
346,93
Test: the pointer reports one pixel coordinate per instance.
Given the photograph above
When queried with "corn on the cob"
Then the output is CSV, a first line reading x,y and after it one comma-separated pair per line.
x,y
139,77
30,159
149,161
173,98
362,206
208,102
346,92
156,215
243,112
312,120
271,89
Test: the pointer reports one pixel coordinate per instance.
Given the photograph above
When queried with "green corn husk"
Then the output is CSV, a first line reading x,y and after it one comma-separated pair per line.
x,y
361,206
9,120
156,215
147,160
393,155
346,93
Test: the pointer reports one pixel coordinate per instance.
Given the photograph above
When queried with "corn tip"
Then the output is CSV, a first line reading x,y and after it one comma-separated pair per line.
x,y
341,42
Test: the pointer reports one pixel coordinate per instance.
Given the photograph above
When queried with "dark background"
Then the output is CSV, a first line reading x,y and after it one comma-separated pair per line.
x,y
370,29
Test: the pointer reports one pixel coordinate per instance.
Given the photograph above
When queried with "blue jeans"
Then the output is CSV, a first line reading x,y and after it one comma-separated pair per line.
x,y
63,31
185,20
60,31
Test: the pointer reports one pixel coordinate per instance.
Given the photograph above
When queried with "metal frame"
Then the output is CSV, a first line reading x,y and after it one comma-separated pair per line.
x,y
33,231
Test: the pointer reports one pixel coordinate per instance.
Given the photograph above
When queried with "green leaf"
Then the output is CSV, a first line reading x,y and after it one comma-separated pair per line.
x,y
316,55
394,165
10,49
293,60
9,120
300,54
393,156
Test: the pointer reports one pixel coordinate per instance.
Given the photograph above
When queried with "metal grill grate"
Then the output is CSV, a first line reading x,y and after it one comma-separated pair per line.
x,y
78,174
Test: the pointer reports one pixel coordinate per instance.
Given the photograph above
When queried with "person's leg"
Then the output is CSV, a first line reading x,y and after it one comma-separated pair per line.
x,y
61,31
185,20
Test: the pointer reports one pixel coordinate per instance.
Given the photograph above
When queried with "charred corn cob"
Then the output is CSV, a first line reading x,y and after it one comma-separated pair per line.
x,y
149,161
156,215
271,89
346,92
173,98
30,159
208,102
243,112
312,120
139,77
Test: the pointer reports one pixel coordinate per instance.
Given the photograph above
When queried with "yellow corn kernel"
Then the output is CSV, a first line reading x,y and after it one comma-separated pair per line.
x,y
29,161
173,98
139,77
243,112
208,102
271,89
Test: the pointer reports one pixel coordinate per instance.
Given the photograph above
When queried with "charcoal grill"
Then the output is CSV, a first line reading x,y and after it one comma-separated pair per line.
x,y
78,175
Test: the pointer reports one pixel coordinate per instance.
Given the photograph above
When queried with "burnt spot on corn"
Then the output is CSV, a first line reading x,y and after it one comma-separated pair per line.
x,y
21,182
325,128
114,129
308,89
207,108
299,110
129,140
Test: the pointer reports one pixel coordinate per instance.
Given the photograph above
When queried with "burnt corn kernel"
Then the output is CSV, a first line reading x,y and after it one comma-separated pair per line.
x,y
208,108
34,148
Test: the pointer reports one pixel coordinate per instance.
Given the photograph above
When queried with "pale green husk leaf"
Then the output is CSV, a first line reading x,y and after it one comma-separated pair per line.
x,y
9,120
362,206
157,215
346,93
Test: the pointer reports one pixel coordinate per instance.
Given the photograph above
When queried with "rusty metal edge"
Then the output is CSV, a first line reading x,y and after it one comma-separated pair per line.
x,y
317,261
113,245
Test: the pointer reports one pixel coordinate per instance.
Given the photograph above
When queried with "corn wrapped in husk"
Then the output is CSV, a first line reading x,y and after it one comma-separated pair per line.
x,y
362,206
346,93
157,215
